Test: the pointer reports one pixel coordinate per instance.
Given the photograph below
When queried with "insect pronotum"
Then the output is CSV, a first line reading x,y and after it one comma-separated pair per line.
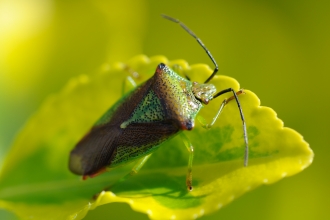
x,y
147,116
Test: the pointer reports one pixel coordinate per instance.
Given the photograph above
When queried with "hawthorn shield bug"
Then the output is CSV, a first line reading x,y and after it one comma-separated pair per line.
x,y
147,116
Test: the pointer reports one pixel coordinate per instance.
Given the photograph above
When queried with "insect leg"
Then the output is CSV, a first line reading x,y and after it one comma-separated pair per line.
x,y
130,79
179,70
139,164
225,101
190,149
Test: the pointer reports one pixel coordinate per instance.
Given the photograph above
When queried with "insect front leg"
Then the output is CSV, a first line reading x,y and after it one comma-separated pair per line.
x,y
225,101
190,149
241,114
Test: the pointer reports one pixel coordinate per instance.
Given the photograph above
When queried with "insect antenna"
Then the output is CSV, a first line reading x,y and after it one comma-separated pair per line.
x,y
200,43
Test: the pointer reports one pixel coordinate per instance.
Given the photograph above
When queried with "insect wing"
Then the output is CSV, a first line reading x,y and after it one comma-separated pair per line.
x,y
94,151
140,139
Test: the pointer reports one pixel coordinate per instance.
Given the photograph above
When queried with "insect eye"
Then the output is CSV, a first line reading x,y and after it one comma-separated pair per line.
x,y
161,66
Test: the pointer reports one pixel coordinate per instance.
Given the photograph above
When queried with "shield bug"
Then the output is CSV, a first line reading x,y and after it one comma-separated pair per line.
x,y
143,119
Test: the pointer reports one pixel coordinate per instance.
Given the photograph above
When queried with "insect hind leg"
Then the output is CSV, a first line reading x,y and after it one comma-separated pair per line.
x,y
225,101
138,165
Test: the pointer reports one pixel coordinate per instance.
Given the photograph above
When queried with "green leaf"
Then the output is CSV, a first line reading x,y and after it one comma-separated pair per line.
x,y
35,181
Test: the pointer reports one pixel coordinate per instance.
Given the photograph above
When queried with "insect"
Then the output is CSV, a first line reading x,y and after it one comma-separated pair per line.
x,y
150,114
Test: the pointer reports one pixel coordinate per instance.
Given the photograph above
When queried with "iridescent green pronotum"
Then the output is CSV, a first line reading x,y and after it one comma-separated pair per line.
x,y
143,119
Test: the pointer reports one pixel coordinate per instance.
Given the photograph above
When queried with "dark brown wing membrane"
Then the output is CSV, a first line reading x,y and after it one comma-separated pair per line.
x,y
138,140
142,134
94,151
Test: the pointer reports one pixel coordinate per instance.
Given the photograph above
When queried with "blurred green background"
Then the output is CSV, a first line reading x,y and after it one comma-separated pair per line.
x,y
280,49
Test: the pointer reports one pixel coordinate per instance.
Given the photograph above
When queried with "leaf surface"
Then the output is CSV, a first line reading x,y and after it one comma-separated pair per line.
x,y
35,182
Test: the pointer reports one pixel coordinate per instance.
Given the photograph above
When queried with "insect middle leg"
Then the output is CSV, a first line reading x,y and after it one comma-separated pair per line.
x,y
190,149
